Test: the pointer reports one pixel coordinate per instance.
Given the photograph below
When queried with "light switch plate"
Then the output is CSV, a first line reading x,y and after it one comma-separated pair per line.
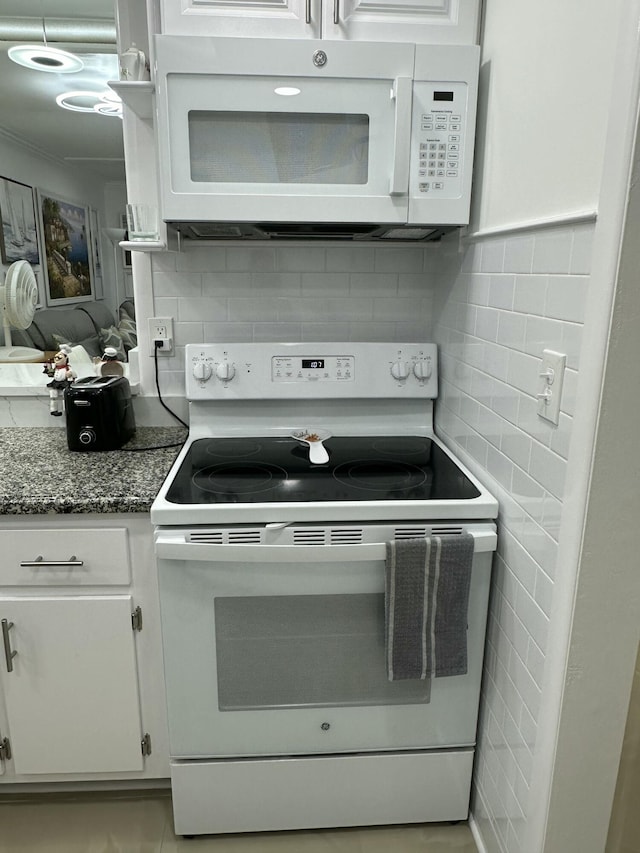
x,y
550,385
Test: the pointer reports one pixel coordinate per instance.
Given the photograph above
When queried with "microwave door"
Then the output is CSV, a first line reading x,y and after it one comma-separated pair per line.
x,y
301,149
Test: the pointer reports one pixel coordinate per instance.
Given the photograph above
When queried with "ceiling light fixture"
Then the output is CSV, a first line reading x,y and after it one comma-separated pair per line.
x,y
41,57
44,58
85,101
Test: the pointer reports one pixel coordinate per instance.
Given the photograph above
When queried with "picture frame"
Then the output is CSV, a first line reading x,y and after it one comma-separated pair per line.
x,y
126,253
68,257
19,231
96,252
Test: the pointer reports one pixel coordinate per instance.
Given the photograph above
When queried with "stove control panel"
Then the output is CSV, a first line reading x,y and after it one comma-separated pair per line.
x,y
306,371
298,368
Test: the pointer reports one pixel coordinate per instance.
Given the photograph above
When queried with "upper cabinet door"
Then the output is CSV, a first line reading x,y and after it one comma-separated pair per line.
x,y
242,18
420,21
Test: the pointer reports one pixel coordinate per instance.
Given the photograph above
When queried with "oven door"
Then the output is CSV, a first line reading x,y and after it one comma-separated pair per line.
x,y
275,649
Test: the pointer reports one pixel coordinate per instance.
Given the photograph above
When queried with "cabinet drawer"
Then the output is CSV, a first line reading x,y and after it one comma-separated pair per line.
x,y
69,557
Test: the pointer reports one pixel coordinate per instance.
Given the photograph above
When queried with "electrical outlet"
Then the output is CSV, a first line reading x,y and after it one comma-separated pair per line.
x,y
160,330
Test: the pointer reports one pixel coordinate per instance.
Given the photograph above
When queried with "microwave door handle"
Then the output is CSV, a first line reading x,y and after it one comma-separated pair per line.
x,y
401,92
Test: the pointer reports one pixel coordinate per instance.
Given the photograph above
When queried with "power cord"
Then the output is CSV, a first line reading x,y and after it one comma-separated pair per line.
x,y
157,345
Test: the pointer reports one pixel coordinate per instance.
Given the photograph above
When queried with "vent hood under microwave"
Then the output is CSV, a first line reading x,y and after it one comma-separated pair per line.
x,y
302,139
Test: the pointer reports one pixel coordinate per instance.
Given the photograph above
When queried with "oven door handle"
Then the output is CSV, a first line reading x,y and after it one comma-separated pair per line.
x,y
170,549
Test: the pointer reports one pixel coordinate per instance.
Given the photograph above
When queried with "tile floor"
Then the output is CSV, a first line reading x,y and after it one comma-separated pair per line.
x,y
143,824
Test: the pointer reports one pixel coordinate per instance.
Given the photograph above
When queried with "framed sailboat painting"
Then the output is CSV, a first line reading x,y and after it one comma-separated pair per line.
x,y
18,235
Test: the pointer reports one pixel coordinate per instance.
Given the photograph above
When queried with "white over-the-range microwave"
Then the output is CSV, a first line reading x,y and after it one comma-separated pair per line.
x,y
268,138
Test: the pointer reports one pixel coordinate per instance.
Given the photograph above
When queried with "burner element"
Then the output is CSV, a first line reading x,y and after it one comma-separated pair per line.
x,y
234,448
379,476
403,445
239,478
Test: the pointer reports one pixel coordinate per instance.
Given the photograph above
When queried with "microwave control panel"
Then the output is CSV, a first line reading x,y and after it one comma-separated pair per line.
x,y
439,129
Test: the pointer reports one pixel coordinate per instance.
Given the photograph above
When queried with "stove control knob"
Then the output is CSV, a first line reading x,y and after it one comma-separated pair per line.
x,y
202,370
400,370
422,369
225,371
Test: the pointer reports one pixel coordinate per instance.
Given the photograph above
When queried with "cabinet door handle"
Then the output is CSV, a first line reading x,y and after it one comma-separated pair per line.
x,y
336,12
6,639
40,562
307,12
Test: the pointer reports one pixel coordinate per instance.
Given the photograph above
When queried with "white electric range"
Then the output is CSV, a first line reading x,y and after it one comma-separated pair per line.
x,y
303,461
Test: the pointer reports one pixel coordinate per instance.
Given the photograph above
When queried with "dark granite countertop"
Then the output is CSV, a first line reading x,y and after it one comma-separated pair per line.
x,y
39,474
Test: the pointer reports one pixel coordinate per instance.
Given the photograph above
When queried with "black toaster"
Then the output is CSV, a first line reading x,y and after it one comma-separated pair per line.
x,y
99,412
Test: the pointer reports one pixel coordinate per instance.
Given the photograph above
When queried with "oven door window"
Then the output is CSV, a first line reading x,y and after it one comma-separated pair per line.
x,y
305,651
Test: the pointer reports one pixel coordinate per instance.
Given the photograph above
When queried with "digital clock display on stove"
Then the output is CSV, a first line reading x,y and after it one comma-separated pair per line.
x,y
313,363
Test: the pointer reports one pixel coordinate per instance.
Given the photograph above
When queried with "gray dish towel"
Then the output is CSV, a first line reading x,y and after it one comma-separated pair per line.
x,y
426,602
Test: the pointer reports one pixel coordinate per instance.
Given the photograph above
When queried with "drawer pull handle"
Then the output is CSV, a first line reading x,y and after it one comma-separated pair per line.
x,y
6,639
40,562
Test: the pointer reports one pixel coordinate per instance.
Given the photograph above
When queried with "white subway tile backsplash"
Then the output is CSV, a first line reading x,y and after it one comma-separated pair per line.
x,y
172,283
188,333
486,323
478,290
325,284
204,308
325,332
226,284
399,259
300,259
350,259
536,282
251,259
566,297
397,309
200,259
549,469
542,333
552,251
581,250
492,258
373,284
228,332
416,329
414,284
511,329
518,255
501,291
530,294
276,284
277,331
252,309
318,309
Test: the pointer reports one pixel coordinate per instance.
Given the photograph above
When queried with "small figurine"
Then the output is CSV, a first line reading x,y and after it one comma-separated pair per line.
x,y
62,374
109,365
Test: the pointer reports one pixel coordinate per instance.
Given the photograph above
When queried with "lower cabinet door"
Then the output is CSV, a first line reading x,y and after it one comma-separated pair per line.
x,y
71,688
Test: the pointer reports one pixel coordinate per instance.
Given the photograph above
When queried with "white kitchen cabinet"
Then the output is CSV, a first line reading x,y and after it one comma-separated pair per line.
x,y
421,21
81,682
71,697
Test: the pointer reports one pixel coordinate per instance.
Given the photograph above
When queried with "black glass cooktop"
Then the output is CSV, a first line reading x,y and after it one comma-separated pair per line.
x,y
360,468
